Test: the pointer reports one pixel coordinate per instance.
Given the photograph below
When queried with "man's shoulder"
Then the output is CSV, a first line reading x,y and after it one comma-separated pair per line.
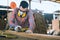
x,y
16,9
30,11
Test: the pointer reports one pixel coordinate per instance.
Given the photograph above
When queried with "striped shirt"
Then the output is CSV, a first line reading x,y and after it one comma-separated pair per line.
x,y
15,20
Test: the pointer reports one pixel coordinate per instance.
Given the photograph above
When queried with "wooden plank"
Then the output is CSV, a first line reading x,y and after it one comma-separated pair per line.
x,y
32,35
57,1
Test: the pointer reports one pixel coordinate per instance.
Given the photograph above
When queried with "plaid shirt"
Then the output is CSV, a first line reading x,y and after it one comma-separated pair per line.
x,y
22,20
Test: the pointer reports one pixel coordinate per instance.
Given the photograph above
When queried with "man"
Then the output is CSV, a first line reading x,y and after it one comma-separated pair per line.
x,y
22,15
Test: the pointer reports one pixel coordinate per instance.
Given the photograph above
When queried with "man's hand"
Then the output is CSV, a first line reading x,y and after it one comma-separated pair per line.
x,y
29,31
18,28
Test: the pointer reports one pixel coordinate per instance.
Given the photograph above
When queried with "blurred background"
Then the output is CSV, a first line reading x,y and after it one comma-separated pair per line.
x,y
49,9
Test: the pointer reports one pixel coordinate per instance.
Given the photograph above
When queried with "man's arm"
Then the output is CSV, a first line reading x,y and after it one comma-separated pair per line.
x,y
31,21
12,17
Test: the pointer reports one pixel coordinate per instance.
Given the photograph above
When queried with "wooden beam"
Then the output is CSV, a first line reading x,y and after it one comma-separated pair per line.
x,y
58,1
33,35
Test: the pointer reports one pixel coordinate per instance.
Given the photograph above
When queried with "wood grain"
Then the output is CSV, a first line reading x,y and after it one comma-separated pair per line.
x,y
32,35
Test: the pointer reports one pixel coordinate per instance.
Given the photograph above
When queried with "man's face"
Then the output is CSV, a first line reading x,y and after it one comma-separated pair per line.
x,y
22,12
23,9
